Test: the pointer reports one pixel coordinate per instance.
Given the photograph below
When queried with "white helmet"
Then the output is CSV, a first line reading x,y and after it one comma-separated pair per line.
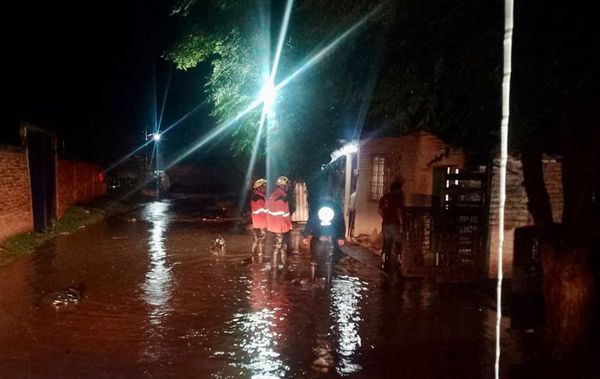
x,y
259,183
282,181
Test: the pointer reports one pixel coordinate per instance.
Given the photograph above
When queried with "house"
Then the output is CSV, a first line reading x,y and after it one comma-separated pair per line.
x,y
451,214
445,219
415,159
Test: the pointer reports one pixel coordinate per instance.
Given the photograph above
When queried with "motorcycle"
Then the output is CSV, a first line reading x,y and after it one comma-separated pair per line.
x,y
323,245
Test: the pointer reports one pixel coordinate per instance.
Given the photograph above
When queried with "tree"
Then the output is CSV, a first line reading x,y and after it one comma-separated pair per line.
x,y
442,72
443,76
434,65
315,109
556,97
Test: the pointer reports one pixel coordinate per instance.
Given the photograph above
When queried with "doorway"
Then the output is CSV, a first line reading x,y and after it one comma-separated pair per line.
x,y
41,158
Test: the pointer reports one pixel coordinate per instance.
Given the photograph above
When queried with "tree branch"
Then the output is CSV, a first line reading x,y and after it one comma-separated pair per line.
x,y
537,194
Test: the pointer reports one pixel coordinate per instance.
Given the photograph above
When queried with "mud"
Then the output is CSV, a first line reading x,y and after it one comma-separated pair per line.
x,y
160,303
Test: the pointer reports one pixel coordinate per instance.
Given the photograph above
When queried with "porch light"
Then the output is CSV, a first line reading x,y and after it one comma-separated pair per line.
x,y
347,149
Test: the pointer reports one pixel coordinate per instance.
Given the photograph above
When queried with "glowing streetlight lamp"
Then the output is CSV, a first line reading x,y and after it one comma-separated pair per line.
x,y
268,94
153,136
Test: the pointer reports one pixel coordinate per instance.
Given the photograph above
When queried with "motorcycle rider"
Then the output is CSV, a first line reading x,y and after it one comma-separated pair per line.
x,y
258,205
279,222
327,228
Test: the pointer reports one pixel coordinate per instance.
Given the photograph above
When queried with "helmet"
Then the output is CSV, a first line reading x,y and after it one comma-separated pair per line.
x,y
282,181
259,183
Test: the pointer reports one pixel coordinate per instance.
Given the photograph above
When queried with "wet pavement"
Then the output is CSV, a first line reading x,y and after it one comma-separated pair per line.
x,y
143,295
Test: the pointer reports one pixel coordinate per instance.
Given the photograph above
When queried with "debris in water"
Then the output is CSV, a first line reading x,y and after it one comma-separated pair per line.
x,y
68,297
324,359
218,246
301,281
247,261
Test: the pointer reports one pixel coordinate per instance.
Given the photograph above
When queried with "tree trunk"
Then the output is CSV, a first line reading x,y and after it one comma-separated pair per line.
x,y
537,195
569,293
569,283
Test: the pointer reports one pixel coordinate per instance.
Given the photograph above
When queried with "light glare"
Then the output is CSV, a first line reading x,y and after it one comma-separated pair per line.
x,y
347,149
268,95
326,215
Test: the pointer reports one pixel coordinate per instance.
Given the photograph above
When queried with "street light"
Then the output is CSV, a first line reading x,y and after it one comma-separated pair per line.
x,y
268,94
153,136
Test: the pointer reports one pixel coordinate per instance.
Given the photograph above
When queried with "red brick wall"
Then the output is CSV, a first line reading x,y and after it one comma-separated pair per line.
x,y
516,212
15,196
76,182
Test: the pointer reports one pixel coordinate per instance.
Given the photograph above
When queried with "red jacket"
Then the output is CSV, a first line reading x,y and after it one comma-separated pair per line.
x,y
278,219
258,205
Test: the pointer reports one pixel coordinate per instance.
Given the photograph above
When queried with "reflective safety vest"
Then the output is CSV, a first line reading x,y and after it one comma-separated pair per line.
x,y
258,205
278,218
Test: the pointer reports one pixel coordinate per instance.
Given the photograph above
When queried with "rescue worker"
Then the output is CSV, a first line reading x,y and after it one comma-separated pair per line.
x,y
279,222
258,206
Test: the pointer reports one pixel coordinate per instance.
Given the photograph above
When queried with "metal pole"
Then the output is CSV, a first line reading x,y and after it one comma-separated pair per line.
x,y
347,186
508,33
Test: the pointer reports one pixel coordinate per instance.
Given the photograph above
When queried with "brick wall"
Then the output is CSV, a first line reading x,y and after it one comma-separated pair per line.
x,y
76,182
15,196
516,212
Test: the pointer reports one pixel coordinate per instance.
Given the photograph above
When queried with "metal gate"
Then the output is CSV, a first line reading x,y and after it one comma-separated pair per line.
x,y
41,158
448,240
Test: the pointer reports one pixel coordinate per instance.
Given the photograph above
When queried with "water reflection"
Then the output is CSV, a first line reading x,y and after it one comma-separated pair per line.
x,y
260,330
258,342
345,310
157,286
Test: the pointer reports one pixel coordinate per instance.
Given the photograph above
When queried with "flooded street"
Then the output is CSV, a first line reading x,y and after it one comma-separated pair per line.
x,y
150,299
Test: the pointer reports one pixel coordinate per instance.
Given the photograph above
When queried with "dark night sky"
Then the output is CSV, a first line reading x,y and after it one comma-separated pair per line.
x,y
87,70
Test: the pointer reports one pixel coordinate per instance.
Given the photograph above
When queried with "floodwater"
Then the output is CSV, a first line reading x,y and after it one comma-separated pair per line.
x,y
153,301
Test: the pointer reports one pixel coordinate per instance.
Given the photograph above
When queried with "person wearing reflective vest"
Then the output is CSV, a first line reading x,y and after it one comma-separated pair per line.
x,y
279,222
258,205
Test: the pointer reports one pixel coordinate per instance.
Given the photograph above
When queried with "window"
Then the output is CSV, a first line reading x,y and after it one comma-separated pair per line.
x,y
377,177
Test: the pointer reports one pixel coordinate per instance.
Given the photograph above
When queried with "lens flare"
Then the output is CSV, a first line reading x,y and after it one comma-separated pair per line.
x,y
323,52
262,99
268,95
164,102
126,157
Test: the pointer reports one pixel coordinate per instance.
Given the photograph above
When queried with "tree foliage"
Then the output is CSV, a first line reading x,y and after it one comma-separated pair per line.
x,y
316,109
442,71
419,64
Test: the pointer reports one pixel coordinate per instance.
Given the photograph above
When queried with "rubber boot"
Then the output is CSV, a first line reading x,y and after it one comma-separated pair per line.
x,y
313,271
385,264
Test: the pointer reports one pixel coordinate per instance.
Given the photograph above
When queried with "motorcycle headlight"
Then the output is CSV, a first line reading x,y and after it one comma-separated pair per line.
x,y
326,214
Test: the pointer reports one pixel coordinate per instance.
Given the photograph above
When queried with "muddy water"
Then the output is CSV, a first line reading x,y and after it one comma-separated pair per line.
x,y
155,302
